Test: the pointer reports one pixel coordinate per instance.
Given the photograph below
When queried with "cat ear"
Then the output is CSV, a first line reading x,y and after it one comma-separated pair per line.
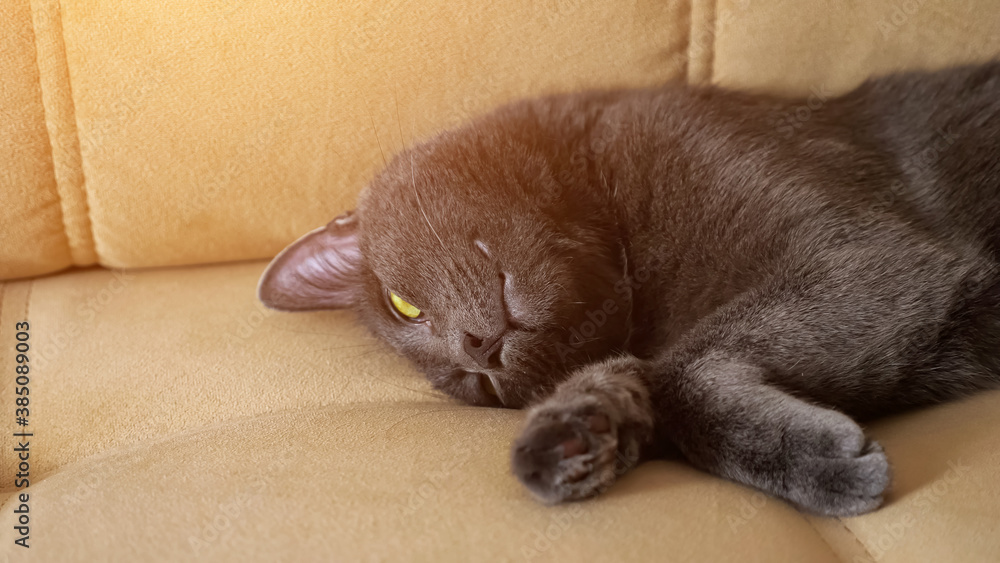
x,y
321,270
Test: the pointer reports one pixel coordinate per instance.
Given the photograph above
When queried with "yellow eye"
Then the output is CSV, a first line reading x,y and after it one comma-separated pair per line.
x,y
404,308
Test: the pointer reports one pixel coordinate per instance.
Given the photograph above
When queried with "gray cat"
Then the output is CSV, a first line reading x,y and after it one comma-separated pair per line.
x,y
688,270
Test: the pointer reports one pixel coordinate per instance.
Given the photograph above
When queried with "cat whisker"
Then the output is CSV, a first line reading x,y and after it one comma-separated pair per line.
x,y
420,206
432,394
338,334
362,355
350,346
399,120
413,179
371,117
588,340
412,416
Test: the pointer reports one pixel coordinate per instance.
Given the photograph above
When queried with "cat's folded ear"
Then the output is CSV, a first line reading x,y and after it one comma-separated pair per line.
x,y
321,270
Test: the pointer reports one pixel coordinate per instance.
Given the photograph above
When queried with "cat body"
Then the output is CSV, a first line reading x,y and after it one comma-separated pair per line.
x,y
686,270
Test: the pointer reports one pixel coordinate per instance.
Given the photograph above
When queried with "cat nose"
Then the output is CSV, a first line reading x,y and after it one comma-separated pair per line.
x,y
485,351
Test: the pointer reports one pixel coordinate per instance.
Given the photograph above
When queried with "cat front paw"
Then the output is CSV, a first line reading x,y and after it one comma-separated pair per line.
x,y
848,483
825,465
588,432
567,454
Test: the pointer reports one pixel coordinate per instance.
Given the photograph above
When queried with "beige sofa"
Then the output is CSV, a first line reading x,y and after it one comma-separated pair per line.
x,y
175,419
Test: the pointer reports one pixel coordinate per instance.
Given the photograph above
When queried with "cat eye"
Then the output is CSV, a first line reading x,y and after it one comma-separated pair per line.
x,y
408,311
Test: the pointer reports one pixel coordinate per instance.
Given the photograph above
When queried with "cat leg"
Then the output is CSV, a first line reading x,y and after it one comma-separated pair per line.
x,y
725,420
721,417
590,430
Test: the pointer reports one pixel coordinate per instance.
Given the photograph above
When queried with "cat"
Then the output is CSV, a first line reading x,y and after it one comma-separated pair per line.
x,y
684,270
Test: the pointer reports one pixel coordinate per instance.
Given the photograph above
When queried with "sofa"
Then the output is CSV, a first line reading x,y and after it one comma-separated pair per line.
x,y
154,155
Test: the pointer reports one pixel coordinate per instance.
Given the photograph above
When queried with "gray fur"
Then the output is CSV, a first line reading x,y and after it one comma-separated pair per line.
x,y
683,270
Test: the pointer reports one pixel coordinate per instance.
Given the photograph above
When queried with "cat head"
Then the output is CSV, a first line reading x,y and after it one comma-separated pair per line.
x,y
467,256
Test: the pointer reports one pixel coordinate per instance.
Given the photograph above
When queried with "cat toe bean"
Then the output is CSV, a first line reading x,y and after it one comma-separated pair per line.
x,y
576,442
564,456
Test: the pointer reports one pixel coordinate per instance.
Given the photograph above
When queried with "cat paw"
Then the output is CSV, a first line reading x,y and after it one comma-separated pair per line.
x,y
845,474
566,453
588,432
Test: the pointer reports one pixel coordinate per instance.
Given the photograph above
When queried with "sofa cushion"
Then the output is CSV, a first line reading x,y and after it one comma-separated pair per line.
x,y
826,47
176,418
168,133
189,131
32,234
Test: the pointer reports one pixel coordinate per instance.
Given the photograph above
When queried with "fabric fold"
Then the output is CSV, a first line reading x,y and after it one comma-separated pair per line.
x,y
60,121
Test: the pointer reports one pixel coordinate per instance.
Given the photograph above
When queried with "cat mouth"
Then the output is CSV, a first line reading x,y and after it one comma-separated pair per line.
x,y
486,382
489,387
487,392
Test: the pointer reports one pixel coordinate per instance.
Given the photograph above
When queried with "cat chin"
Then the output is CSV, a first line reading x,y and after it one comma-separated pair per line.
x,y
481,389
520,383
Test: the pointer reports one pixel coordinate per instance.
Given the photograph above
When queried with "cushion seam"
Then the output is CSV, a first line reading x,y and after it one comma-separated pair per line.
x,y
822,538
836,553
52,141
84,192
715,40
687,44
701,44
856,538
83,249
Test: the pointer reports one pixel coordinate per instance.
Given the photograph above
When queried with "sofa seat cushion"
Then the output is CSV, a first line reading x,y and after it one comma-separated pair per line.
x,y
175,417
